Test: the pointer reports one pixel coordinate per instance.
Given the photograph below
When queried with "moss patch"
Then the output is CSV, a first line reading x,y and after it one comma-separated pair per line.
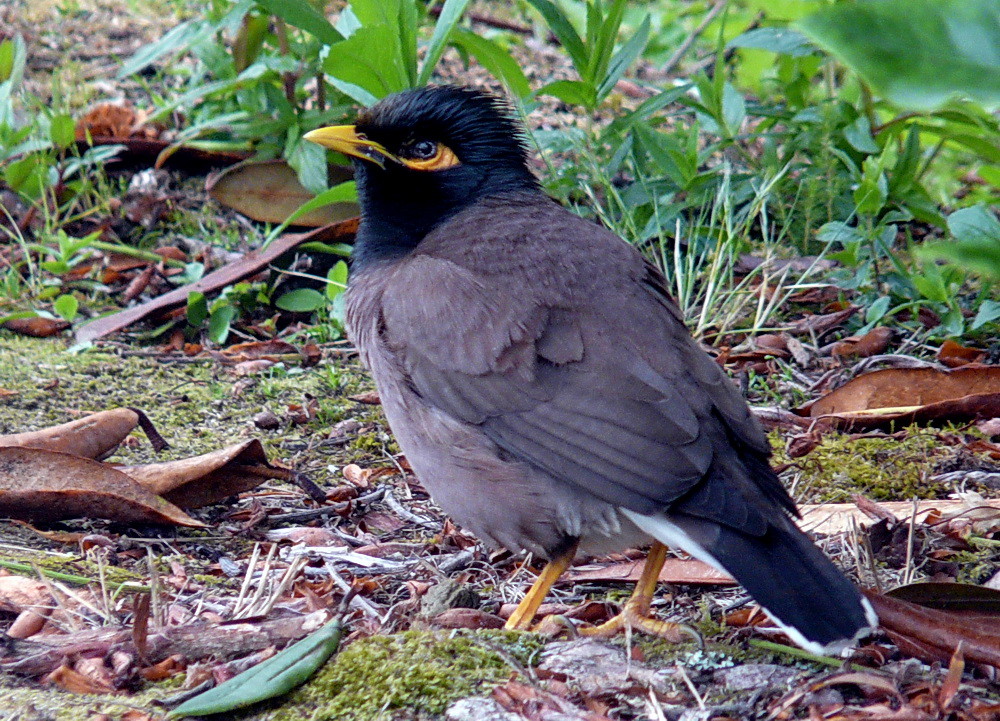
x,y
884,469
411,675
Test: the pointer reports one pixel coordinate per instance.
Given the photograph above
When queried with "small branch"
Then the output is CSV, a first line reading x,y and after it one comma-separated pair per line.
x,y
682,49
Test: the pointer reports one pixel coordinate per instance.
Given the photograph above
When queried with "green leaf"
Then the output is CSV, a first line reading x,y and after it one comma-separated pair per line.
x,y
301,300
975,223
62,131
180,37
837,232
219,323
451,12
573,92
564,31
859,135
197,309
873,190
623,59
66,307
309,162
977,242
876,311
989,312
303,14
274,677
370,59
734,109
919,53
783,41
336,280
495,59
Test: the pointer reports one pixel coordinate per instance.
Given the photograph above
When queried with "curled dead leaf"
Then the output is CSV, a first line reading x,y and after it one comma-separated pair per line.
x,y
46,485
270,191
208,478
94,436
900,396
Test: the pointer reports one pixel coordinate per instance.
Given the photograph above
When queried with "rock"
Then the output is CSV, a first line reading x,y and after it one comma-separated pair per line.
x,y
595,667
753,676
446,595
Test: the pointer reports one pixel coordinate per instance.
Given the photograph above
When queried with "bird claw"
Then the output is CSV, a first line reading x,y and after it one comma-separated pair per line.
x,y
634,618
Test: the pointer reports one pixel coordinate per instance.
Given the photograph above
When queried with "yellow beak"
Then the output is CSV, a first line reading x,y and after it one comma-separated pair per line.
x,y
345,139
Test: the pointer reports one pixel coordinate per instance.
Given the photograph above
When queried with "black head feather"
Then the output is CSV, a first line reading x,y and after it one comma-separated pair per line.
x,y
401,205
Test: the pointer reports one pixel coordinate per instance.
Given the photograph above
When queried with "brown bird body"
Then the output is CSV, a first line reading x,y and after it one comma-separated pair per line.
x,y
541,382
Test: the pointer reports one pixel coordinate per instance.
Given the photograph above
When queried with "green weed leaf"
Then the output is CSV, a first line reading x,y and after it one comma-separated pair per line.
x,y
274,677
220,322
301,300
197,309
451,12
920,53
783,41
66,307
495,59
303,14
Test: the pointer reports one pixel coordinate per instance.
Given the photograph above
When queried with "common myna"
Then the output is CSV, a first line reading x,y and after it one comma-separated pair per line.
x,y
541,381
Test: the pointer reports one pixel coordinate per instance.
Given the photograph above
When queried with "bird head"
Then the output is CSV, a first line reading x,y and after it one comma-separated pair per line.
x,y
422,155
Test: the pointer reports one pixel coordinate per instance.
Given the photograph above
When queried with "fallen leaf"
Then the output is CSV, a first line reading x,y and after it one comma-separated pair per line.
x,y
200,480
94,436
675,570
872,343
270,191
37,327
466,618
933,635
900,396
109,120
73,681
49,486
953,354
819,324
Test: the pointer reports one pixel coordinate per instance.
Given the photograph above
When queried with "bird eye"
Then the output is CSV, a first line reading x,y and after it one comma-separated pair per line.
x,y
423,149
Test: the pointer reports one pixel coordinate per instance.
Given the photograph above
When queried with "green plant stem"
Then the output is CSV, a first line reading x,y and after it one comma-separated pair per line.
x,y
800,653
136,253
32,569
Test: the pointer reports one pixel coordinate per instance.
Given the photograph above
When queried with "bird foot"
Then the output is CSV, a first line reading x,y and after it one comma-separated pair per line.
x,y
637,618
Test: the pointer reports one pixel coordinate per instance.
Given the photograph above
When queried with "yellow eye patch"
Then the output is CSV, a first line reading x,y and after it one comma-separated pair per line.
x,y
442,159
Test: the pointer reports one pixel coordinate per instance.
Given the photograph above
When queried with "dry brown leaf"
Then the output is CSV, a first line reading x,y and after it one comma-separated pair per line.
x,y
270,191
872,343
466,618
953,354
675,570
18,593
107,120
73,681
819,324
900,396
201,480
94,436
37,327
49,486
934,635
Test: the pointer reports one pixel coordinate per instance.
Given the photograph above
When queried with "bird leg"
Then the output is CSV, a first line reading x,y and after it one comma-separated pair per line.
x,y
636,611
525,612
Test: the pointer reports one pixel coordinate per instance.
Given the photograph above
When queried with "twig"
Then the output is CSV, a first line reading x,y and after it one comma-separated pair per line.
x,y
314,513
682,49
405,514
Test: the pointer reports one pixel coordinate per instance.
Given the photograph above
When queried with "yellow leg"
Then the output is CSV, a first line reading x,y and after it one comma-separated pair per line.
x,y
525,612
636,611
